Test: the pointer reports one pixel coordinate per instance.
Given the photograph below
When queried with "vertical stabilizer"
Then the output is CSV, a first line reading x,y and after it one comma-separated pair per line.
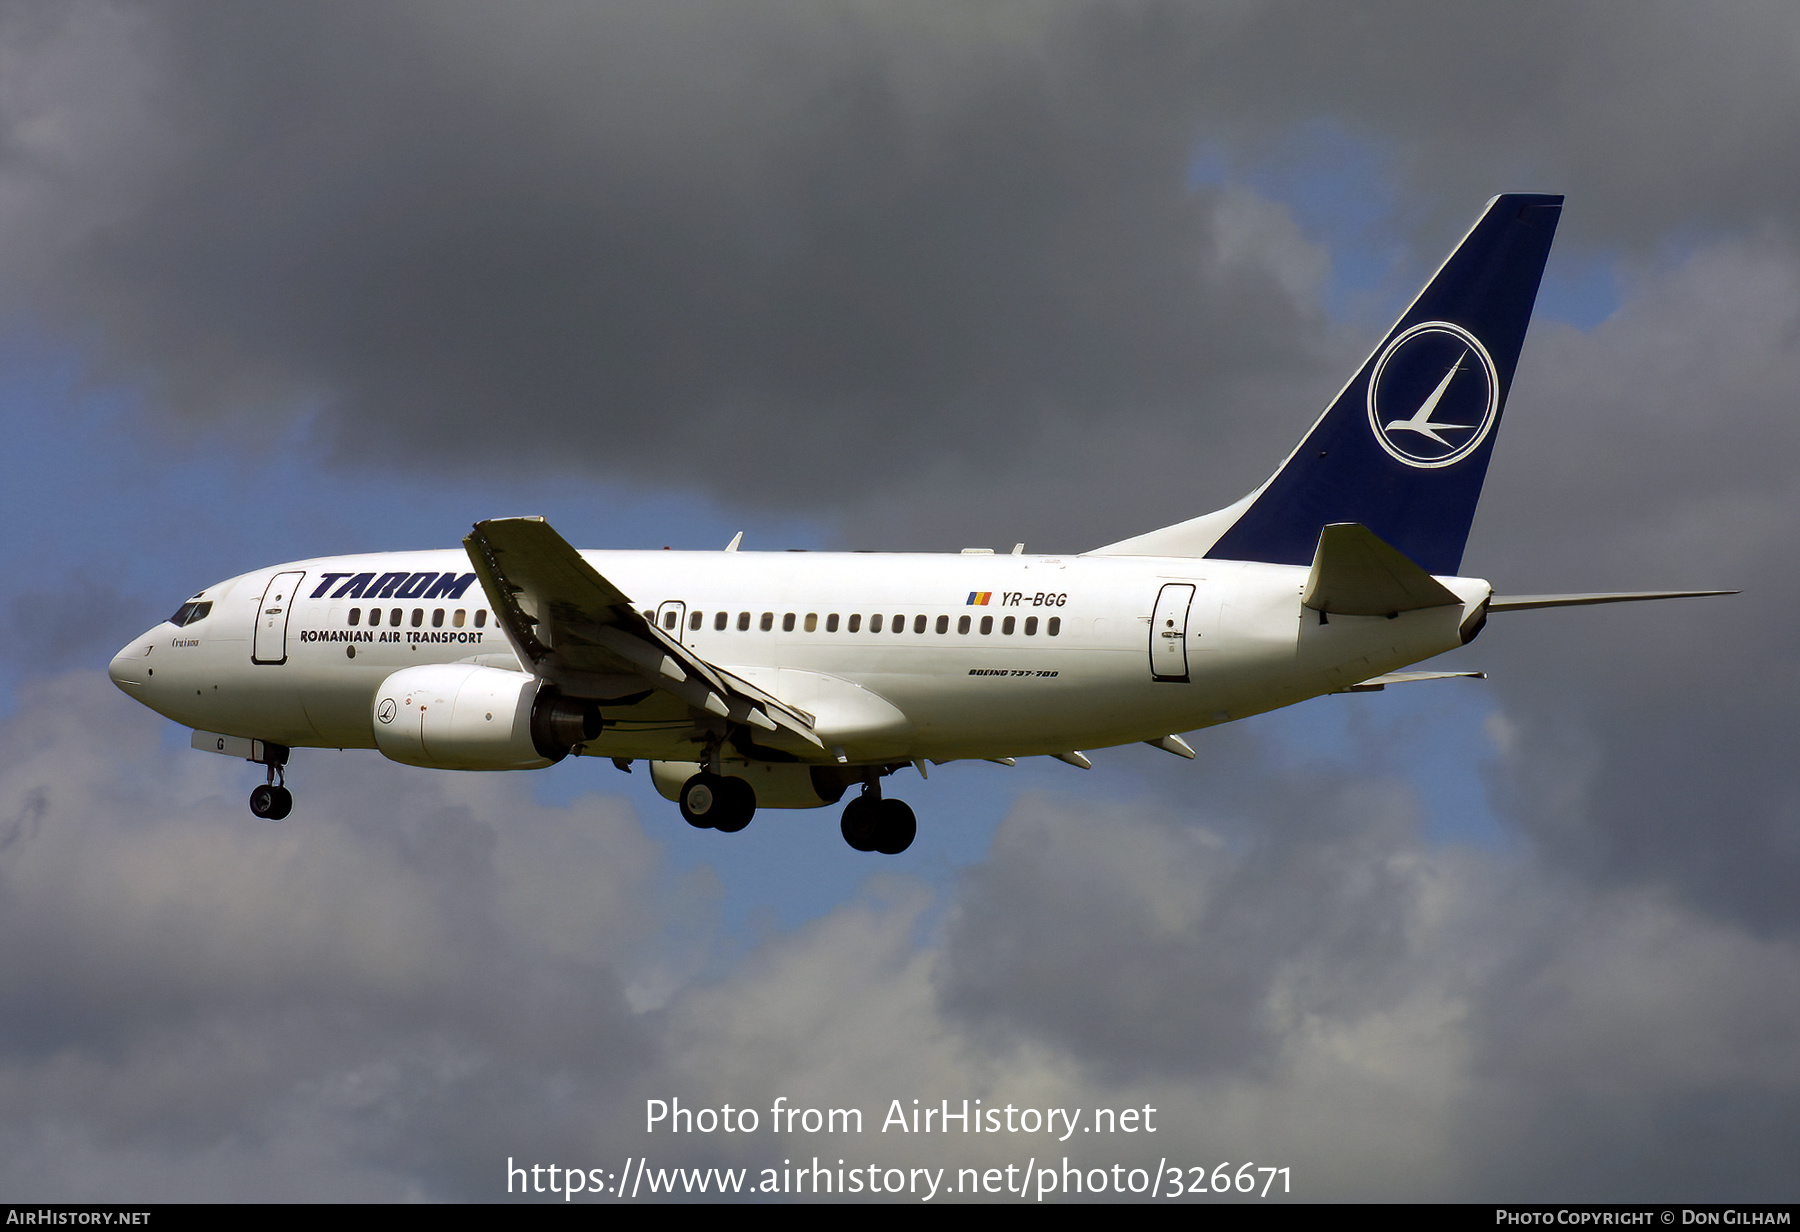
x,y
1404,447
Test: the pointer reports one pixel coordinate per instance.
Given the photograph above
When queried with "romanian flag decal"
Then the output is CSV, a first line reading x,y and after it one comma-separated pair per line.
x,y
979,598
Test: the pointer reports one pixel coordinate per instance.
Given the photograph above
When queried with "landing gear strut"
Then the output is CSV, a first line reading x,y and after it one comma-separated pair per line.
x,y
717,802
871,823
273,801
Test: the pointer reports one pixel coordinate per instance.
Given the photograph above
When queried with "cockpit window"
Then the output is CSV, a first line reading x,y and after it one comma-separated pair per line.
x,y
189,613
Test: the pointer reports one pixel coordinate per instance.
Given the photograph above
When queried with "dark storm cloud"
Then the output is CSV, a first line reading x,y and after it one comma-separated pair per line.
x,y
734,248
1658,450
799,253
81,621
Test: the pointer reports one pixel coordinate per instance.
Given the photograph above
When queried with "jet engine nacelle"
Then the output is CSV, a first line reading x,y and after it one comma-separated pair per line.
x,y
461,716
776,786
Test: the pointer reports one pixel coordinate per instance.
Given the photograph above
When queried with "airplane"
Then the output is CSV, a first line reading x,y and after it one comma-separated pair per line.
x,y
782,680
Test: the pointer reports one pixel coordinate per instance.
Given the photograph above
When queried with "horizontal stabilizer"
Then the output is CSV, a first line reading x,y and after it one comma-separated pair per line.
x,y
1523,603
1356,573
1376,684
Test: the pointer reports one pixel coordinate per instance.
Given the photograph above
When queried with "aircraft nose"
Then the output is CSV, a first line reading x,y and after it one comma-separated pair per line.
x,y
131,666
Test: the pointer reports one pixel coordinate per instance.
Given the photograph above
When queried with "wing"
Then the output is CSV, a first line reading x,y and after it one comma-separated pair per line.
x,y
573,628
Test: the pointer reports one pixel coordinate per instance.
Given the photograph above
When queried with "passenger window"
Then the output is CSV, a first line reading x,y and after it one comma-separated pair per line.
x,y
987,625
356,615
856,622
418,616
899,625
649,615
480,617
831,623
919,623
394,617
669,619
456,621
695,621
812,622
962,625
1053,626
768,621
943,624
720,621
1031,626
437,618
743,621
1006,626
787,623
875,623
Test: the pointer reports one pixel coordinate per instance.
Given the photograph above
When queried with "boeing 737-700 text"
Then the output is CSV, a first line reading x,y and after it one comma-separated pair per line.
x,y
783,680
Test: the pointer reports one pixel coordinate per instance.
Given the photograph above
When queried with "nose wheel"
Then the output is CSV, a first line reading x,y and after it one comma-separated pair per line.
x,y
272,801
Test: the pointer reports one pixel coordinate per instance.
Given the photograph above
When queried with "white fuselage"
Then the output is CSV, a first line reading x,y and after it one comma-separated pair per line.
x,y
929,682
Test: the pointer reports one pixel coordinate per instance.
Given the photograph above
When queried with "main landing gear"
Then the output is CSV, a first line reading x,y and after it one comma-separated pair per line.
x,y
873,824
717,802
273,801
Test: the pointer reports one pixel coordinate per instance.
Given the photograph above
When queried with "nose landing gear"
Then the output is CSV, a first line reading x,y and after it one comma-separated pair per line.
x,y
273,801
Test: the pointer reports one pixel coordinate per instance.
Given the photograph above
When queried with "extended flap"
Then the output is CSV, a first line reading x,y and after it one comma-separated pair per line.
x,y
573,627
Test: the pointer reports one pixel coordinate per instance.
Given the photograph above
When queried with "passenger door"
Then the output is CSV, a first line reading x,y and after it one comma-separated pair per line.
x,y
270,644
1168,633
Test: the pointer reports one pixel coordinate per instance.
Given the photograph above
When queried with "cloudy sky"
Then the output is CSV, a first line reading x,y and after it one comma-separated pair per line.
x,y
284,281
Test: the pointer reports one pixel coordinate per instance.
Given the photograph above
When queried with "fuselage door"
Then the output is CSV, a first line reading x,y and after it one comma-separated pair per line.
x,y
270,645
1168,632
671,617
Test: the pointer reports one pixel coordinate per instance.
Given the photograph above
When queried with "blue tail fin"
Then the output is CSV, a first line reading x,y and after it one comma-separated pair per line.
x,y
1403,449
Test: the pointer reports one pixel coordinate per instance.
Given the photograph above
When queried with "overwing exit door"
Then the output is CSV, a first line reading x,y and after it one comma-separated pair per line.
x,y
671,616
